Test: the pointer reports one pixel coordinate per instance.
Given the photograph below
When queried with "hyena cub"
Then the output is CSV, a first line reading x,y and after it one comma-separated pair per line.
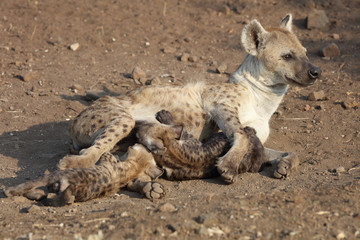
x,y
82,184
184,157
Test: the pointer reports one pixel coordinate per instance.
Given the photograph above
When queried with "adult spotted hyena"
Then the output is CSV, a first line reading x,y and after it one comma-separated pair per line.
x,y
275,60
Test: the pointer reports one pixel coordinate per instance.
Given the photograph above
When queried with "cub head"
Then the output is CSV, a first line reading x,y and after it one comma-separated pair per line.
x,y
280,52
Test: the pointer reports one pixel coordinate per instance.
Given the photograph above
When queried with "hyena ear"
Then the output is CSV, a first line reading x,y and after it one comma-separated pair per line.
x,y
252,36
286,22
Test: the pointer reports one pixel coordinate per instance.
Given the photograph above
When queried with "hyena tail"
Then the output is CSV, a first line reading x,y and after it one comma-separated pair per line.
x,y
29,189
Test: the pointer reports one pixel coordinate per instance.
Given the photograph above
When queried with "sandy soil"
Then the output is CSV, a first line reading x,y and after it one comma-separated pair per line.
x,y
43,84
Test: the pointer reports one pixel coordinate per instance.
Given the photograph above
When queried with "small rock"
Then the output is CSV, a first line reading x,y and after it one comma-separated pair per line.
x,y
336,36
137,73
169,49
187,39
317,19
29,76
340,170
340,235
315,96
184,57
349,104
167,207
33,208
76,87
74,46
330,50
226,10
124,214
222,68
193,59
307,107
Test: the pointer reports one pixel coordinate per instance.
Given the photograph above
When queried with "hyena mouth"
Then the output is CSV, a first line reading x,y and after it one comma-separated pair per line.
x,y
300,84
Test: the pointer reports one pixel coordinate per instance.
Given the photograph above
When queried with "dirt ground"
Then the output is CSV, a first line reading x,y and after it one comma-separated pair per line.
x,y
43,84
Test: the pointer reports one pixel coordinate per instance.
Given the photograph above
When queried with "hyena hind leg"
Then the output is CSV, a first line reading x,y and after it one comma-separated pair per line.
x,y
104,142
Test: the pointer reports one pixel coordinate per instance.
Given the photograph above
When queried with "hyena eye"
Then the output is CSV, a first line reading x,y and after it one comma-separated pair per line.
x,y
287,56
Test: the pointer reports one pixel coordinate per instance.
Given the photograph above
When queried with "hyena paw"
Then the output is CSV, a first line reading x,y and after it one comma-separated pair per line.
x,y
154,190
74,161
228,170
285,165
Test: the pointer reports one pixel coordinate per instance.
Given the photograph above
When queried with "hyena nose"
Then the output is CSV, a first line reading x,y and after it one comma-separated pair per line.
x,y
314,72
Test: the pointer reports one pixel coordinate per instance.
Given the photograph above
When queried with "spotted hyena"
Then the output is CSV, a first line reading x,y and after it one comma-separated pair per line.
x,y
105,178
275,60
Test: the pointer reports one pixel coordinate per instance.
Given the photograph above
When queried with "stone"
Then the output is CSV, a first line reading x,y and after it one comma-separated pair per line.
x,y
74,46
340,169
137,73
33,208
169,49
76,87
193,59
307,107
330,50
350,104
340,235
317,19
184,57
222,68
29,76
336,36
315,96
167,207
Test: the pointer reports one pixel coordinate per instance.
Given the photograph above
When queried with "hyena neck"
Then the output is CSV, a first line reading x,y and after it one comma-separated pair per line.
x,y
268,87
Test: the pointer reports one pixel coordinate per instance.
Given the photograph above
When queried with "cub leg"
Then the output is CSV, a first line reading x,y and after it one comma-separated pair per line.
x,y
108,137
285,162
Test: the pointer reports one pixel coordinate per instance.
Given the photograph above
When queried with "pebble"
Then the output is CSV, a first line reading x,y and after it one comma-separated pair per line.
x,y
341,235
307,107
336,36
184,57
33,208
76,87
222,68
169,49
347,104
226,10
317,19
167,207
74,46
330,50
193,59
315,96
29,76
340,170
137,73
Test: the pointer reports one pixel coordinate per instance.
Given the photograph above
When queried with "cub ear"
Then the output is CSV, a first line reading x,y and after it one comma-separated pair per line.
x,y
252,36
286,22
178,130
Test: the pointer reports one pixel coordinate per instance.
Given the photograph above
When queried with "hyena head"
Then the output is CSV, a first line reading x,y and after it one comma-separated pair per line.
x,y
280,52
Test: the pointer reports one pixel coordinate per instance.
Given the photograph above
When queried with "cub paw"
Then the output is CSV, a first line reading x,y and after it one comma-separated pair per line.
x,y
285,166
227,170
164,117
154,190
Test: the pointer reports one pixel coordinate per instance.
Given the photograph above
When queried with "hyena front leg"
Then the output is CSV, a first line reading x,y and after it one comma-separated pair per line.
x,y
285,162
118,128
229,165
